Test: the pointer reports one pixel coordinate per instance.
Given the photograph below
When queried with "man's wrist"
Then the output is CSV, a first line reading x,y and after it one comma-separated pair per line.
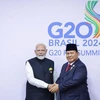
x,y
47,86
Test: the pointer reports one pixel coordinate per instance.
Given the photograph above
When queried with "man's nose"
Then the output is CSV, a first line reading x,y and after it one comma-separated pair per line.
x,y
41,51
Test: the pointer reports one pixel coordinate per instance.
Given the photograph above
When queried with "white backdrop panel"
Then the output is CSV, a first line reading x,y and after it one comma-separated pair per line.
x,y
24,23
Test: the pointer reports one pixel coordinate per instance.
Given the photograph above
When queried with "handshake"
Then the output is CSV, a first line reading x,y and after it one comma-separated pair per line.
x,y
53,88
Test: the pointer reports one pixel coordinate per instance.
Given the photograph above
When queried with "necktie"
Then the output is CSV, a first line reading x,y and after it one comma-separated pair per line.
x,y
68,67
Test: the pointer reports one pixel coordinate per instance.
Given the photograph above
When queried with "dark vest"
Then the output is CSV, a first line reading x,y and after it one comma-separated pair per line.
x,y
43,70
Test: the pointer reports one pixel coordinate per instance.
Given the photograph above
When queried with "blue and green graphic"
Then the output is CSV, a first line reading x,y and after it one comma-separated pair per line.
x,y
92,17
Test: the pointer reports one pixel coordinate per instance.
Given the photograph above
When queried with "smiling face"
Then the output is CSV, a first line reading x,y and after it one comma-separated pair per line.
x,y
40,51
72,56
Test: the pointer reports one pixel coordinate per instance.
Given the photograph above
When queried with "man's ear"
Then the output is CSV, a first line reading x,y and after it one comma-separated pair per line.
x,y
78,53
35,51
46,50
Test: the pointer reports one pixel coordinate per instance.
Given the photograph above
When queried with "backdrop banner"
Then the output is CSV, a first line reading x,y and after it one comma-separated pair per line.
x,y
24,23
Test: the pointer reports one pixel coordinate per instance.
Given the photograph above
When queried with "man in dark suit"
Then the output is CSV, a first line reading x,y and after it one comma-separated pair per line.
x,y
72,82
39,71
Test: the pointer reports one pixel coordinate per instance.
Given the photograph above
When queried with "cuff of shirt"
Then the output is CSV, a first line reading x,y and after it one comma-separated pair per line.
x,y
47,85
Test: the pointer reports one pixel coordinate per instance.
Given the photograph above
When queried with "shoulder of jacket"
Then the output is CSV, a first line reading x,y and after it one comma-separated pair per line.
x,y
31,59
49,60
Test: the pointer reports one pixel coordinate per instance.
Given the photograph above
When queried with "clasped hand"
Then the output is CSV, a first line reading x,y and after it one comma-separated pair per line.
x,y
53,88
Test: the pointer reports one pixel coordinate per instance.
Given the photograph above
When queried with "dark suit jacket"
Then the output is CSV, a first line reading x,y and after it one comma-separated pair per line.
x,y
73,84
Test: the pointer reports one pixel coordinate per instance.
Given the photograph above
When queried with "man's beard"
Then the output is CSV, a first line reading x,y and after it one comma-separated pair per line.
x,y
41,57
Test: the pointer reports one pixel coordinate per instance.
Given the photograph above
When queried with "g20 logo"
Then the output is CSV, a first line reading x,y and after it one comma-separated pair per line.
x,y
68,34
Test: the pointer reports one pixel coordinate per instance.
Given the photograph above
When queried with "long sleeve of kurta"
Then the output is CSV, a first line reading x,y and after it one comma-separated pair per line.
x,y
32,80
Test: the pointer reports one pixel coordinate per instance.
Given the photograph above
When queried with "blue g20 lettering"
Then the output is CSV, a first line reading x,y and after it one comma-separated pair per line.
x,y
61,34
55,52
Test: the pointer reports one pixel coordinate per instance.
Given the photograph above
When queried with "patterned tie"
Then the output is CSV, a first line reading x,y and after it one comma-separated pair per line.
x,y
68,67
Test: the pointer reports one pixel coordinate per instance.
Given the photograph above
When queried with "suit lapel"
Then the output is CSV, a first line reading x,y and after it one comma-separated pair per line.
x,y
74,65
70,71
64,72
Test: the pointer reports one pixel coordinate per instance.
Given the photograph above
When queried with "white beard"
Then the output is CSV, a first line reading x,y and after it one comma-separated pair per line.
x,y
41,57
